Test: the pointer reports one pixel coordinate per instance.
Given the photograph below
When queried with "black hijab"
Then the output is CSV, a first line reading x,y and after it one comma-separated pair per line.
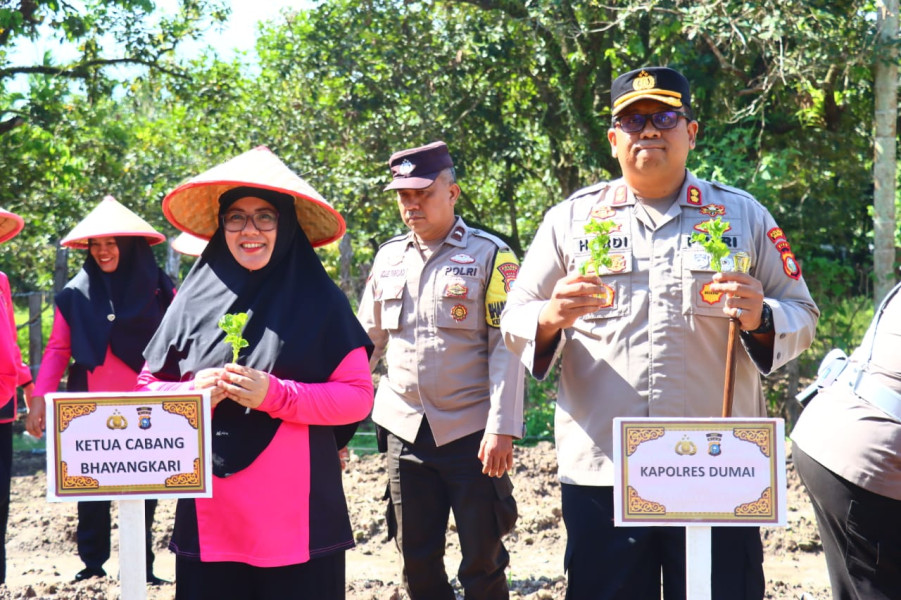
x,y
300,325
120,310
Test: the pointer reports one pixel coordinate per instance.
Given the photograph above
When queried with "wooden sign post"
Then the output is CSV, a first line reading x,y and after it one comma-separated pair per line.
x,y
696,473
129,447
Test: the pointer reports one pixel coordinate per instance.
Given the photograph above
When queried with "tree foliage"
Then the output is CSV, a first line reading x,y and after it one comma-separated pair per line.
x,y
519,89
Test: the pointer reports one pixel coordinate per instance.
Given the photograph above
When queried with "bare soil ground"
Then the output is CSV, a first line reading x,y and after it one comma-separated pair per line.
x,y
42,560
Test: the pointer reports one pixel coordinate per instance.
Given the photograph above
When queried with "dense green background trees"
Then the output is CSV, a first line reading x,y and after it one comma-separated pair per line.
x,y
518,88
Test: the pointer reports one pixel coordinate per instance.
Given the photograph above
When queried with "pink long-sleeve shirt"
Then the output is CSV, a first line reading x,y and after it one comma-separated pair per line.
x,y
13,372
261,515
111,376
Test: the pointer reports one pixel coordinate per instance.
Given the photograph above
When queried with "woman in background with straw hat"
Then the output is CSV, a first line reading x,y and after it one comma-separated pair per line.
x,y
13,374
104,317
276,526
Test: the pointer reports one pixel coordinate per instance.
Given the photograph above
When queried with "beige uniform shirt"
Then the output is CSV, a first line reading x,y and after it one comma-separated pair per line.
x,y
658,347
437,324
851,437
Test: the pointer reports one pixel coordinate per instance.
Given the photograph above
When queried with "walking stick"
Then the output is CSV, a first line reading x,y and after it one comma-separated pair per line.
x,y
742,265
729,385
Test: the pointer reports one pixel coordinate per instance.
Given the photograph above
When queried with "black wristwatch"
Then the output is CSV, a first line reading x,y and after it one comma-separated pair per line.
x,y
766,320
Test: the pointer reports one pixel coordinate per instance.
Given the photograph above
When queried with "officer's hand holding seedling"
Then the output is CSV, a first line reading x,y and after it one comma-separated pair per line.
x,y
744,293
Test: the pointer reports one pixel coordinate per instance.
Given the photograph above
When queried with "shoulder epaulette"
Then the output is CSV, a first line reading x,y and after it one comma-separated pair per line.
x,y
501,244
397,238
733,190
590,190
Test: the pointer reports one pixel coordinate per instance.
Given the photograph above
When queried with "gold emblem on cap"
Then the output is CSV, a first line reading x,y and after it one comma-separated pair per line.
x,y
644,81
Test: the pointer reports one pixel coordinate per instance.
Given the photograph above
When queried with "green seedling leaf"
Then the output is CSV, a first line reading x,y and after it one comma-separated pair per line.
x,y
712,242
599,245
233,326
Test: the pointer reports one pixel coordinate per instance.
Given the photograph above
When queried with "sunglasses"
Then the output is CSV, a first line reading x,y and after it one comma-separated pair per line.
x,y
237,221
666,119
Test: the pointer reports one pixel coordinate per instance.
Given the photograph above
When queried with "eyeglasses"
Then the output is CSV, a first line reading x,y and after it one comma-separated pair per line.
x,y
237,221
666,119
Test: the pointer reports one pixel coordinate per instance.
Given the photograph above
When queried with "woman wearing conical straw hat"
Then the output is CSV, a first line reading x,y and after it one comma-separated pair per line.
x,y
104,317
276,526
13,374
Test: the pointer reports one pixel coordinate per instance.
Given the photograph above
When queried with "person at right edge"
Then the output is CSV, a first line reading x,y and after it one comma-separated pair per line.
x,y
451,402
647,335
846,447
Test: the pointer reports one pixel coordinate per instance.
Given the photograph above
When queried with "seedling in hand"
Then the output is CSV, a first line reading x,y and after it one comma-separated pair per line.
x,y
233,326
713,241
599,246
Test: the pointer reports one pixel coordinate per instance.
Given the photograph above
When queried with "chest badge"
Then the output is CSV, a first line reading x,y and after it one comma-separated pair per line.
x,y
713,210
456,289
709,296
459,313
600,213
463,259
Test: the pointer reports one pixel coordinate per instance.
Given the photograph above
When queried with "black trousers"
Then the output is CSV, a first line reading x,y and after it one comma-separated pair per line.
x,y
319,579
426,482
6,463
604,562
93,532
860,530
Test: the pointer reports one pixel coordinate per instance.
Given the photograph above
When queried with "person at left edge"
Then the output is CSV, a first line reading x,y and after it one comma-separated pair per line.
x,y
276,526
13,373
103,319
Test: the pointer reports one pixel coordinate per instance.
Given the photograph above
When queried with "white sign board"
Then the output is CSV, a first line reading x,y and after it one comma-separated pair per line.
x,y
137,445
683,472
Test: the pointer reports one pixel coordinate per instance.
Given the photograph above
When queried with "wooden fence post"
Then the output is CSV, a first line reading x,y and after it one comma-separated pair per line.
x,y
35,336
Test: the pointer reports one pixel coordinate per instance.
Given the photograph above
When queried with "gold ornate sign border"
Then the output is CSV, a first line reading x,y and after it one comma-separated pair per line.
x,y
762,509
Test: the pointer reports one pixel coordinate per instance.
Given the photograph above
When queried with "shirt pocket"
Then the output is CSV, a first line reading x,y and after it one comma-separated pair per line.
x,y
391,302
616,282
458,301
697,277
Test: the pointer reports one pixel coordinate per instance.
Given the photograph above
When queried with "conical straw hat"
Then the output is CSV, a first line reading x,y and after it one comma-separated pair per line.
x,y
109,218
193,206
188,244
10,225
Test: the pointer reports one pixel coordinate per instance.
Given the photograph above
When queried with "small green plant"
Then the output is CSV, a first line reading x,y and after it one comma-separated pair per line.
x,y
599,245
233,326
713,241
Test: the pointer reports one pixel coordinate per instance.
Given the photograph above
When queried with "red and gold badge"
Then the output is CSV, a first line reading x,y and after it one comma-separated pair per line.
x,y
617,263
599,213
607,296
775,234
702,227
709,296
713,210
508,271
790,265
458,313
456,289
694,196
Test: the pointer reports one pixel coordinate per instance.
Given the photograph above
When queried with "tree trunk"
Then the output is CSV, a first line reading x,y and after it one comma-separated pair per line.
x,y
60,269
886,110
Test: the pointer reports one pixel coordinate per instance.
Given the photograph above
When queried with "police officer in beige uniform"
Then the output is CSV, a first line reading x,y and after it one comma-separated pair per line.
x,y
847,450
647,335
450,404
